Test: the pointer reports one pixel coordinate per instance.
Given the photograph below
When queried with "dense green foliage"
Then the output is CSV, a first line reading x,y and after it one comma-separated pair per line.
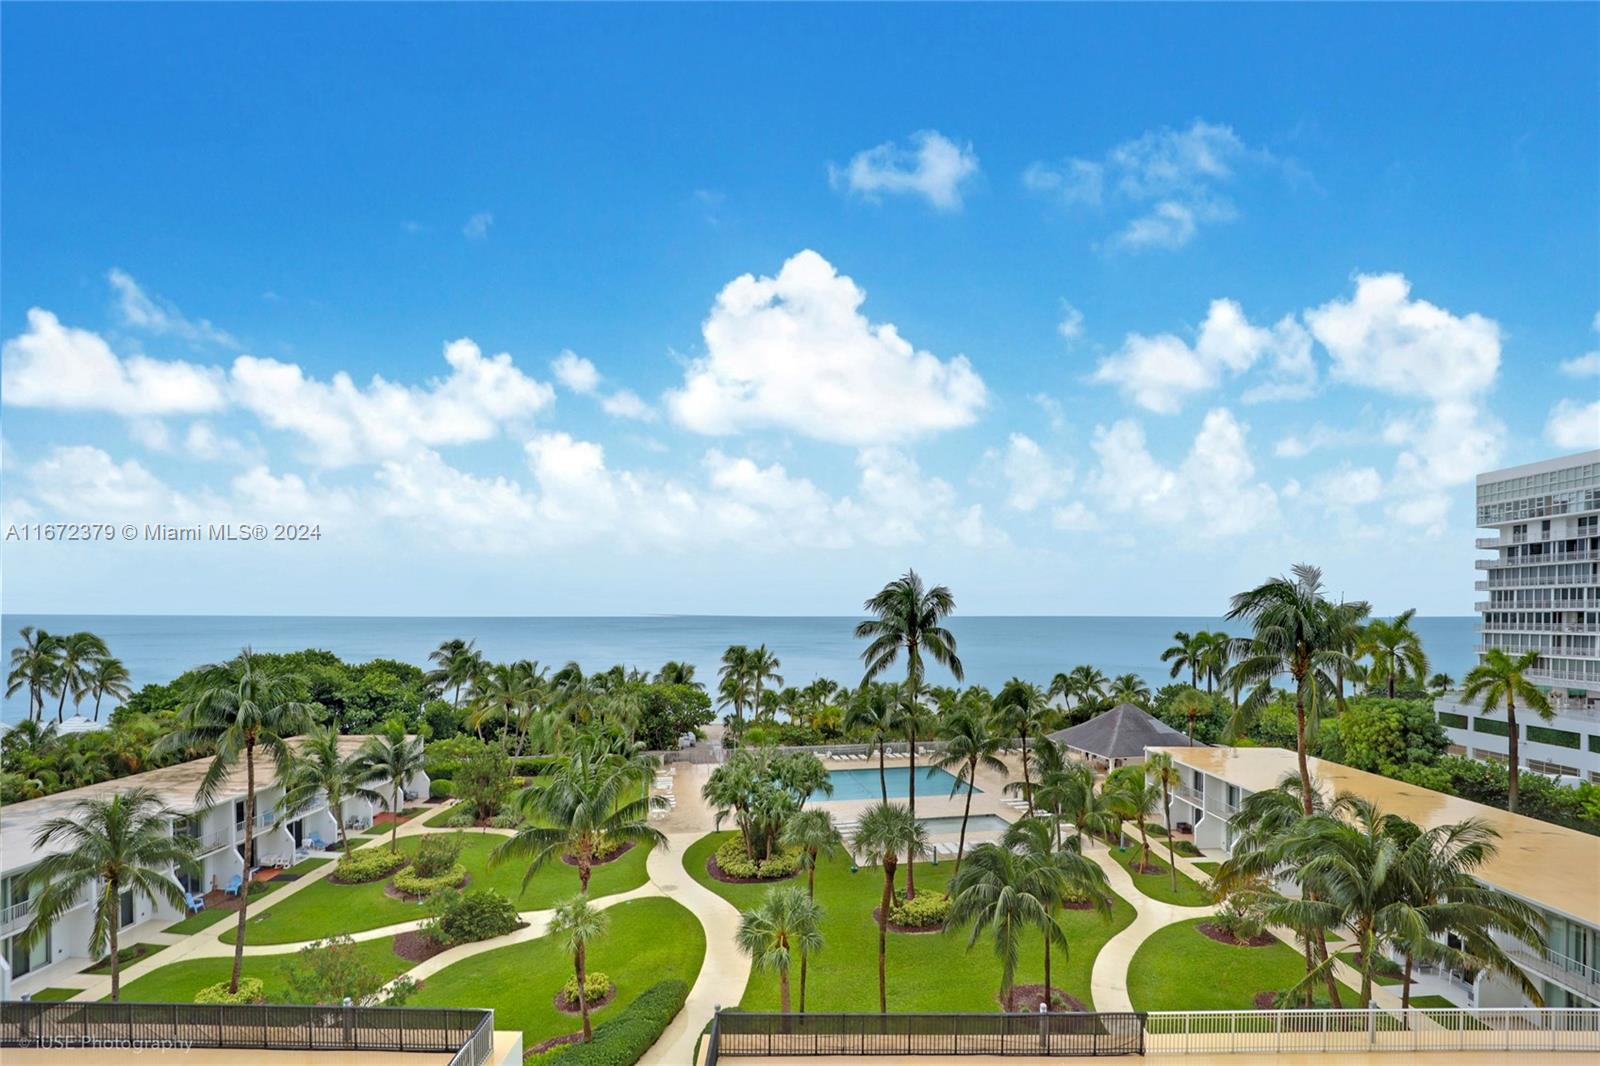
x,y
368,864
480,914
251,990
623,1040
1382,735
922,910
327,972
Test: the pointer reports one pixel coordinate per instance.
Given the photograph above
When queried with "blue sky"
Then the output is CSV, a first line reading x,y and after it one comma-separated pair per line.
x,y
1078,309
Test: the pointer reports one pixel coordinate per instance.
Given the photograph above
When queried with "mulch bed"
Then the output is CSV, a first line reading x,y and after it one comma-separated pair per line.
x,y
728,879
415,947
1076,905
394,893
600,860
1025,1000
1145,869
553,1042
1222,936
896,927
594,1005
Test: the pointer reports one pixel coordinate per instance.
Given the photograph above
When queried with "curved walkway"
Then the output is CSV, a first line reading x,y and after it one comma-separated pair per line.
x,y
1108,981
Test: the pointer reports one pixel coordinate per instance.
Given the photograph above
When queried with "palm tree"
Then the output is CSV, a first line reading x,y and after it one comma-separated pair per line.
x,y
909,618
1159,769
1214,651
33,665
108,677
321,766
396,758
1184,654
1134,794
1082,689
1022,709
1395,651
1297,633
242,706
1441,683
579,809
1191,703
1348,624
75,658
916,719
786,918
734,682
1130,688
885,830
673,672
1059,874
969,743
762,667
1501,679
815,836
107,847
576,925
1003,892
458,665
875,710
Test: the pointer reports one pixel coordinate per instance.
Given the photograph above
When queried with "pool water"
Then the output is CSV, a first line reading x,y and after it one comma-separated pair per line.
x,y
862,784
978,823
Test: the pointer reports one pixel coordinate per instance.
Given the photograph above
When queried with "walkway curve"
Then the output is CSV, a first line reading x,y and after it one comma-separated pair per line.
x,y
1108,981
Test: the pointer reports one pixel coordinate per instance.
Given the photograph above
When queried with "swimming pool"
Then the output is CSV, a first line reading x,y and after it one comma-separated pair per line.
x,y
862,784
978,823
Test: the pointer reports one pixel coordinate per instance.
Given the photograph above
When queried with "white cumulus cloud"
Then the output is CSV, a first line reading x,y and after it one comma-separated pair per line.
x,y
142,311
932,167
1574,425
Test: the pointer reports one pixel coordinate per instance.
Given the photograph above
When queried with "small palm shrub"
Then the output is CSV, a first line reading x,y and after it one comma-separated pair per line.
x,y
595,987
368,864
251,990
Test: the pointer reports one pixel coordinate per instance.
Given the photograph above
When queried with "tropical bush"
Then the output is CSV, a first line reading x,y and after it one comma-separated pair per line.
x,y
251,990
507,820
460,918
732,860
923,909
368,864
441,788
484,779
328,972
623,1040
595,987
1240,918
412,883
459,820
437,854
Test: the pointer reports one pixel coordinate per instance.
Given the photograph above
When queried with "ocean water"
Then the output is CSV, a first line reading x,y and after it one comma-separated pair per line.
x,y
157,648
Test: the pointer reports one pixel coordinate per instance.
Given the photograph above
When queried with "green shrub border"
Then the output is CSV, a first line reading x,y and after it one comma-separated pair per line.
x,y
623,1040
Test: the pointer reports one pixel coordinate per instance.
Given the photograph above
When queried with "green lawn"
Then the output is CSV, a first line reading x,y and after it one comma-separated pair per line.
x,y
649,940
179,981
57,995
200,920
1159,885
1208,868
1180,968
926,971
130,954
325,909
1384,972
437,819
1420,1002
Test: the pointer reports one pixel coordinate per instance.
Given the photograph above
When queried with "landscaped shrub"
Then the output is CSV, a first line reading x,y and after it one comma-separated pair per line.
x,y
437,854
413,883
1241,919
595,987
923,909
507,820
732,860
368,864
1155,830
484,780
459,820
251,990
330,971
1186,847
440,789
623,1040
477,915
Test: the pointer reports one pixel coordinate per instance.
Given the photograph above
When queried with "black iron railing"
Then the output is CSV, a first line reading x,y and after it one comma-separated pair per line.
x,y
1055,1035
466,1034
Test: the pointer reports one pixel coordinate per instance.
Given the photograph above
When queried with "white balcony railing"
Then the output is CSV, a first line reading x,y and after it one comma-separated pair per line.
x,y
1558,967
17,915
216,840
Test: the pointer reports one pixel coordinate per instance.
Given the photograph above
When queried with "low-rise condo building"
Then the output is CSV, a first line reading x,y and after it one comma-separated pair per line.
x,y
1554,869
1543,587
218,831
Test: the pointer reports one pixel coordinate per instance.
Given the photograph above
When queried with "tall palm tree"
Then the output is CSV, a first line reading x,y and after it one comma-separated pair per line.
x,y
916,719
1135,794
1082,689
582,808
814,835
909,618
576,925
458,664
33,666
1191,703
1297,633
320,765
1395,650
1214,650
673,672
762,668
969,744
75,658
395,758
108,677
108,847
1022,710
1004,893
785,919
1441,683
244,706
1159,769
875,710
734,685
1130,688
1500,679
1183,654
1060,874
1348,624
885,830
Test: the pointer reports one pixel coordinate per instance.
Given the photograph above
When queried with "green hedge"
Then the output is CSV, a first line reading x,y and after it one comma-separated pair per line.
x,y
732,860
441,788
368,864
251,990
624,1039
1561,738
411,883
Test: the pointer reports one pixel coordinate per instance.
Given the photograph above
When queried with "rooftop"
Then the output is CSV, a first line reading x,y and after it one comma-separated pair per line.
x,y
173,785
1123,732
1555,867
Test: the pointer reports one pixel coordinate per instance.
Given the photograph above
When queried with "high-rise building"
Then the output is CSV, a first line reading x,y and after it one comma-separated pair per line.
x,y
1543,594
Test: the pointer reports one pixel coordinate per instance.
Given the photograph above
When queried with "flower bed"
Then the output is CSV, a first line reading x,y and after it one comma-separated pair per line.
x,y
413,885
597,989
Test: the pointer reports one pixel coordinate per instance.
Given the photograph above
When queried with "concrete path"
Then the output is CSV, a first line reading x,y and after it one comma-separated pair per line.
x,y
1108,981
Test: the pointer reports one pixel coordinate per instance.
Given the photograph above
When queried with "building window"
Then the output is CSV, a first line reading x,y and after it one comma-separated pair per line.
x,y
1452,721
1561,738
1490,726
1594,743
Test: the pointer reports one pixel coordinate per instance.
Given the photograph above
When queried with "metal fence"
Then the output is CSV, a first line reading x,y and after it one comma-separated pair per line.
x,y
735,1033
133,1026
1374,1030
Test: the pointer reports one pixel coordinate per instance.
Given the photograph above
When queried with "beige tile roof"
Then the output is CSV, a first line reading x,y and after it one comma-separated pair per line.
x,y
1555,867
173,785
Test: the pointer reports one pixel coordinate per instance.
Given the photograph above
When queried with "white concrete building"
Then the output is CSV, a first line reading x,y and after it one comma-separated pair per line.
x,y
280,835
1554,869
1543,587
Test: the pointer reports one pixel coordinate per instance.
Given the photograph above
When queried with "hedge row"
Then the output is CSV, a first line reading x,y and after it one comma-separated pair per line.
x,y
624,1039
